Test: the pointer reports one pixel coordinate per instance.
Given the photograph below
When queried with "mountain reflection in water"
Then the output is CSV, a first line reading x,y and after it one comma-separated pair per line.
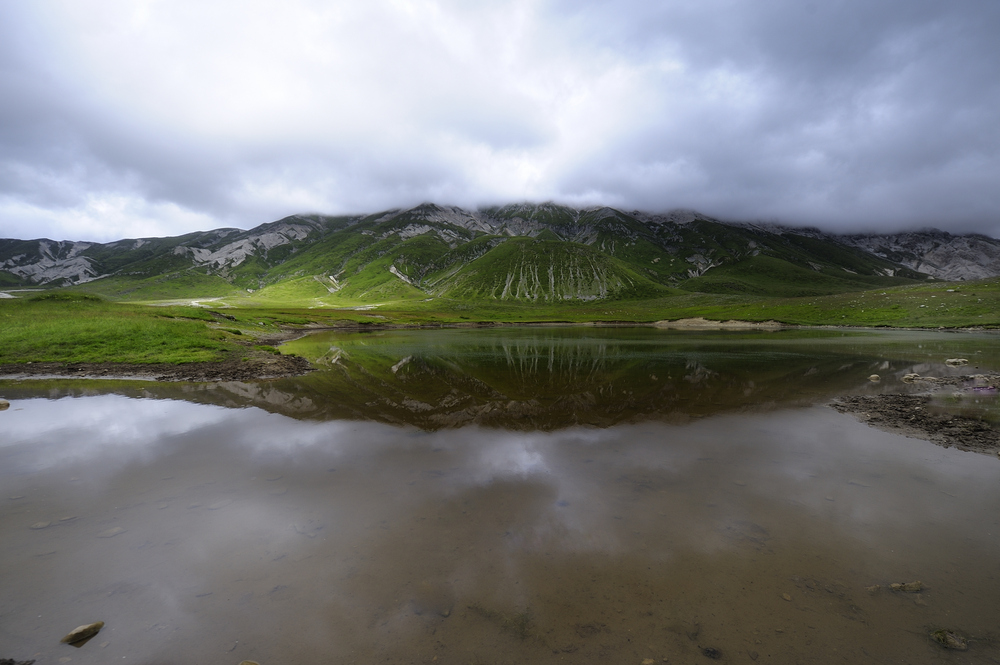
x,y
502,496
547,378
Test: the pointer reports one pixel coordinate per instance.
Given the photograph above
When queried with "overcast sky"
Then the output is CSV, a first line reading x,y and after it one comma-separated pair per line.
x,y
129,118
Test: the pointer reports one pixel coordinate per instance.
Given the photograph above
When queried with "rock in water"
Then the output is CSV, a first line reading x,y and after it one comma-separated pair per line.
x,y
907,587
4,404
874,378
950,640
81,633
956,362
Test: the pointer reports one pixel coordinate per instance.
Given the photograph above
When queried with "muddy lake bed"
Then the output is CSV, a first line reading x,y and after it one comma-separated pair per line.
x,y
545,495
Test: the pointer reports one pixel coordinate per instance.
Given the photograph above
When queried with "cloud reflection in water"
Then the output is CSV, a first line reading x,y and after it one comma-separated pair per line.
x,y
360,536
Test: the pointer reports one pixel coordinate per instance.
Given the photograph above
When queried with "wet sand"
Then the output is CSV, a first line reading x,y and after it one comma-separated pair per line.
x,y
203,535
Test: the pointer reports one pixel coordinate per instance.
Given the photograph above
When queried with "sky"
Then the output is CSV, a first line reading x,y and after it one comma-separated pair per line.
x,y
136,118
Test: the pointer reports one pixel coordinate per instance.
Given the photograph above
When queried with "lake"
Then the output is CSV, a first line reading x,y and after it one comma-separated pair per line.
x,y
505,495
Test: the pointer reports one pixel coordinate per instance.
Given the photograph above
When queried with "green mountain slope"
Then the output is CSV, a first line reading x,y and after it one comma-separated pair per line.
x,y
544,270
518,253
770,276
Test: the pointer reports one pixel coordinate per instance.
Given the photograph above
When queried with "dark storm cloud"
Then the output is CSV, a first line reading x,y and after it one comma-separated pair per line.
x,y
141,118
842,113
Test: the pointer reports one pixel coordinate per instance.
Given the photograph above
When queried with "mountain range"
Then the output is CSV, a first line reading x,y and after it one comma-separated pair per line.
x,y
520,252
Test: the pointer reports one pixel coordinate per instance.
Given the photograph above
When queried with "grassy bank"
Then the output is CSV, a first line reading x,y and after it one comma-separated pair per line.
x,y
59,326
940,304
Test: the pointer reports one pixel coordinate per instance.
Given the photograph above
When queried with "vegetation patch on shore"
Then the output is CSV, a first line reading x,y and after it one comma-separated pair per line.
x,y
68,327
69,334
71,326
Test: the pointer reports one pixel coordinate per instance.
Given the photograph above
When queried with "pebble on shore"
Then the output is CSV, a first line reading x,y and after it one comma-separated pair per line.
x,y
83,632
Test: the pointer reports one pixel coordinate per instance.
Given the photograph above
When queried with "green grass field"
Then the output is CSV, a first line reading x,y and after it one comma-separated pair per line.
x,y
931,305
59,327
68,326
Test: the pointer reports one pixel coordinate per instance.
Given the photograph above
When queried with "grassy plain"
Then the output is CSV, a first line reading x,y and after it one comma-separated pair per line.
x,y
70,326
930,305
60,327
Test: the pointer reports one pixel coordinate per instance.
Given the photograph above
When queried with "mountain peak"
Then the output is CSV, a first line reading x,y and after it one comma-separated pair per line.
x,y
423,249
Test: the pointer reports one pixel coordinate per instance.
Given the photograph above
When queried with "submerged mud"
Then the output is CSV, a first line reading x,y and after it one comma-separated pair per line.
x,y
925,416
234,368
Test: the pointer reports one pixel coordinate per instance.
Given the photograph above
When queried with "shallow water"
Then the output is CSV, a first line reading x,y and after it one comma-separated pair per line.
x,y
748,523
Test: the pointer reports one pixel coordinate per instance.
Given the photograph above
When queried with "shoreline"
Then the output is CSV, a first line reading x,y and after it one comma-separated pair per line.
x,y
915,416
688,323
230,369
907,414
264,366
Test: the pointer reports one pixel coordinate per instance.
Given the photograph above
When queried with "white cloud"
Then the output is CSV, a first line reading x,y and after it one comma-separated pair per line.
x,y
181,115
99,217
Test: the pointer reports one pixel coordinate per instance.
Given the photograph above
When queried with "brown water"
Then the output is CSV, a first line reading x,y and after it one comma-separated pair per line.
x,y
206,534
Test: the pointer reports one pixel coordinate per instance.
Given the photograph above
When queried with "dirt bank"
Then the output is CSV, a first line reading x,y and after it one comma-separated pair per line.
x,y
916,415
699,323
250,365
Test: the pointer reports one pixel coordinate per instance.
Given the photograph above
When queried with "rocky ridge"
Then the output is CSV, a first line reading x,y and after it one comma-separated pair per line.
x,y
936,253
666,248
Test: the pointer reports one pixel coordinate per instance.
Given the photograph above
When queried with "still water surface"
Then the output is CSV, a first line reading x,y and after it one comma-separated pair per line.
x,y
484,496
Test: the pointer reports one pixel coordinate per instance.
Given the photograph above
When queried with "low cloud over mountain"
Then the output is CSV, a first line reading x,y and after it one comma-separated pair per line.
x,y
522,252
162,118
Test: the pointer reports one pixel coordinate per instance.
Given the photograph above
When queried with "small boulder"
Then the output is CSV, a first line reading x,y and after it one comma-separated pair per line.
x,y
907,587
956,362
4,404
84,632
950,640
910,378
874,378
